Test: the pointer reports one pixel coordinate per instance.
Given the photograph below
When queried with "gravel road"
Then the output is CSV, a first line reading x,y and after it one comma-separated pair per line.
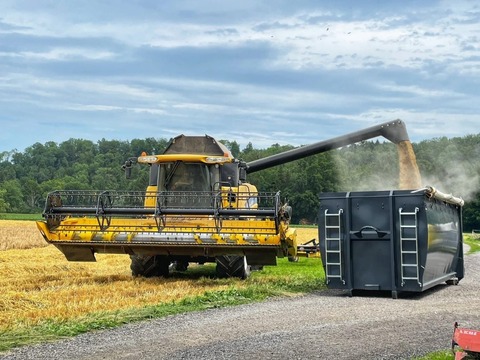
x,y
323,325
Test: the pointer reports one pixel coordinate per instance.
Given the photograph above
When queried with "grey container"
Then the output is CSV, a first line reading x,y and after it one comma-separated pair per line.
x,y
397,241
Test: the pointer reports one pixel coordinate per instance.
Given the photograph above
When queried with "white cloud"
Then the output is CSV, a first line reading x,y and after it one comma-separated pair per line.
x,y
336,43
425,124
417,90
59,54
329,72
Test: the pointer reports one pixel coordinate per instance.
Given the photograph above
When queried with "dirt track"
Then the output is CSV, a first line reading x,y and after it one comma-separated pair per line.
x,y
321,325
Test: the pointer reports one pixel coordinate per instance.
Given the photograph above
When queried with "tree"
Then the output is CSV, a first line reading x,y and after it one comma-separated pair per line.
x,y
3,203
107,179
149,145
471,214
7,171
51,185
13,196
32,194
233,146
78,151
247,149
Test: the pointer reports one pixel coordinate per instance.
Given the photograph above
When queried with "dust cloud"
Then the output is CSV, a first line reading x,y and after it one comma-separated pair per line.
x,y
457,177
449,171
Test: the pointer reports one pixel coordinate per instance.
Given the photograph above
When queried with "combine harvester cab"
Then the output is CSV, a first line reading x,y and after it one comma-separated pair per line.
x,y
398,241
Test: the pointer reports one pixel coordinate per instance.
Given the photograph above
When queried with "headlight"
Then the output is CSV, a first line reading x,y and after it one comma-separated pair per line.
x,y
217,160
148,159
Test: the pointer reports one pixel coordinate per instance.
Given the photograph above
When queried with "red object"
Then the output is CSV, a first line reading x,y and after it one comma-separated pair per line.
x,y
467,341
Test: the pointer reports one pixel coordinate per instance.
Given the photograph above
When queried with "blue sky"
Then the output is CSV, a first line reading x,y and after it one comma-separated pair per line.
x,y
287,72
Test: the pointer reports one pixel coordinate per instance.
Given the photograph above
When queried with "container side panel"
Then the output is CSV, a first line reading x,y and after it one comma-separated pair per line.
x,y
444,240
371,265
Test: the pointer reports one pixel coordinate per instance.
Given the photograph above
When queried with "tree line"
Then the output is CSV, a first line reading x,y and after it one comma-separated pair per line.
x,y
450,164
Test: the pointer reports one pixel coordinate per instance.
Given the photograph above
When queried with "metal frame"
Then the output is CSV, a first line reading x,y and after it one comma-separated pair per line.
x,y
338,252
169,205
404,240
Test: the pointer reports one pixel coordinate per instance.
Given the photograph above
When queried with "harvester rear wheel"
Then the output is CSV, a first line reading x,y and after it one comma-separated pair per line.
x,y
149,266
232,266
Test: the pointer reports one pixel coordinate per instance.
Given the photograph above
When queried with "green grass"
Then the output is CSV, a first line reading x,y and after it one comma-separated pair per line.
x,y
285,279
472,241
11,216
438,355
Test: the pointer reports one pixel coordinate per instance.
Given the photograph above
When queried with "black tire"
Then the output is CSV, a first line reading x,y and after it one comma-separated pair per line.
x,y
149,266
232,266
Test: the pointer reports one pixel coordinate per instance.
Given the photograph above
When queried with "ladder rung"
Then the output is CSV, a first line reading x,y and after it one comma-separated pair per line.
x,y
408,239
333,251
408,252
408,226
410,265
410,278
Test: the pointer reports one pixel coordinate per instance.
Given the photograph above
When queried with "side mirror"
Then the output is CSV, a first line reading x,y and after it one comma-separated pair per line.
x,y
128,172
127,167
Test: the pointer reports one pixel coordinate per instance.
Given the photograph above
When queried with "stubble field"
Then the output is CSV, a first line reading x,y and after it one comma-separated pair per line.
x,y
38,285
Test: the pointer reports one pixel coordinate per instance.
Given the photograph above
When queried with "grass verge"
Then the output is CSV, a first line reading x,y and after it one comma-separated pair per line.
x,y
438,355
11,216
285,279
472,241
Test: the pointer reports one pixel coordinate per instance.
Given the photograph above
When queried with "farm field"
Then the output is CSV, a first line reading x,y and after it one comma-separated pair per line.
x,y
20,234
40,287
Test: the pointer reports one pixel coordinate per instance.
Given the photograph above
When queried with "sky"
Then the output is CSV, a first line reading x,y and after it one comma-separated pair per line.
x,y
260,72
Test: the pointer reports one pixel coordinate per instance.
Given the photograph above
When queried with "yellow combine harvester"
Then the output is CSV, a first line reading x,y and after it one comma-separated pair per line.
x,y
198,207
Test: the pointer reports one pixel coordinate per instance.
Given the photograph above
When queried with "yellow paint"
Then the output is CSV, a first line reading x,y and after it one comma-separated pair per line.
x,y
151,201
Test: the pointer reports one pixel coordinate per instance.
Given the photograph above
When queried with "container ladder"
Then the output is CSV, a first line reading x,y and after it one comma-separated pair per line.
x,y
409,246
333,246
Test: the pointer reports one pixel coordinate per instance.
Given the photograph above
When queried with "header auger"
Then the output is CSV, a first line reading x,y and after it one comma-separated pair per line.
x,y
198,207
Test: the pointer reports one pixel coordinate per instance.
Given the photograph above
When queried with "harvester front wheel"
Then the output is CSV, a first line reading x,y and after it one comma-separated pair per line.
x,y
149,266
232,266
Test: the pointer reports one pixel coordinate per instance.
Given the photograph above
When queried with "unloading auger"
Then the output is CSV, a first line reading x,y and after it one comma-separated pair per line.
x,y
198,207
